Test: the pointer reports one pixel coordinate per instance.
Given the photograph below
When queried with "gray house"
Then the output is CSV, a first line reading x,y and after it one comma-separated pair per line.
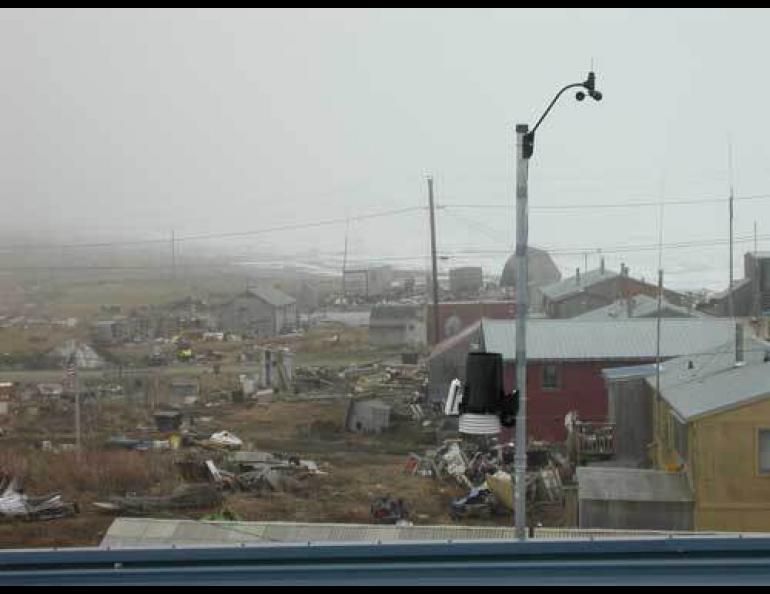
x,y
750,295
595,289
261,311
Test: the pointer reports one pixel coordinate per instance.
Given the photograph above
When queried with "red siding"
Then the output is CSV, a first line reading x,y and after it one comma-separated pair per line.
x,y
582,389
468,312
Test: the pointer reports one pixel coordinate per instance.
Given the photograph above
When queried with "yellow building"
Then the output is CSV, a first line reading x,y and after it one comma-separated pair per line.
x,y
711,420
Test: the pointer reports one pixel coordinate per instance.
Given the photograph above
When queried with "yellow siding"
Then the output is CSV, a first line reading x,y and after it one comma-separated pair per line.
x,y
730,492
664,455
722,465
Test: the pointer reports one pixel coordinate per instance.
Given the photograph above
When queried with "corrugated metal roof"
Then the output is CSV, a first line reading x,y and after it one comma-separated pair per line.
x,y
272,296
138,533
642,306
711,382
607,340
144,532
632,484
570,286
723,391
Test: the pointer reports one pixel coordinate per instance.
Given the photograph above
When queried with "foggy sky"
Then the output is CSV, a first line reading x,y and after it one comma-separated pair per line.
x,y
126,124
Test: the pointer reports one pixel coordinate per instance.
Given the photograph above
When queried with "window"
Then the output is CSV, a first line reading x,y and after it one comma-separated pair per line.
x,y
763,451
551,379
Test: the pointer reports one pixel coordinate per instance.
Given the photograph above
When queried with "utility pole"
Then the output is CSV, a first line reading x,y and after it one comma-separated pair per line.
x,y
657,337
436,332
522,305
345,261
757,309
173,255
78,442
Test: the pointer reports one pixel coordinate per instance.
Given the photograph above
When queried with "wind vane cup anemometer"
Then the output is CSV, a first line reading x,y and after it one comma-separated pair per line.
x,y
589,90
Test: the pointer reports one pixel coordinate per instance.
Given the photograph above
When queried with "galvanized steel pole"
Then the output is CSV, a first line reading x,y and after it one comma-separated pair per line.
x,y
522,306
525,143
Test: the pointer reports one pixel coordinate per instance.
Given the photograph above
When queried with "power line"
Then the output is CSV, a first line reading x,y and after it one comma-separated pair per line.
x,y
10,248
447,252
656,203
208,236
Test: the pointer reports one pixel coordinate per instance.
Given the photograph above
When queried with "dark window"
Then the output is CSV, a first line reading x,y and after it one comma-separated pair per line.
x,y
551,377
763,454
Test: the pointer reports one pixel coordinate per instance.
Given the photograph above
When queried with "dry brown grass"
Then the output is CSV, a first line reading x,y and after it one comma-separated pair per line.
x,y
345,495
93,474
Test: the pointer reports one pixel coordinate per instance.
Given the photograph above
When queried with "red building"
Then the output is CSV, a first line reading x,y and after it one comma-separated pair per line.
x,y
456,316
566,358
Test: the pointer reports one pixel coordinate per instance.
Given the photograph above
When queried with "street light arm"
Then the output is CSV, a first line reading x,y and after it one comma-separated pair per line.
x,y
553,102
589,85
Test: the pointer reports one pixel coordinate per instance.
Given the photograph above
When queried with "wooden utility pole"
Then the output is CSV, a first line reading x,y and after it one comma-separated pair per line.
x,y
173,255
345,261
436,332
78,440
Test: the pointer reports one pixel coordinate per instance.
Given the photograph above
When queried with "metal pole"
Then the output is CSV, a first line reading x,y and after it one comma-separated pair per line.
x,y
436,332
730,305
522,304
657,337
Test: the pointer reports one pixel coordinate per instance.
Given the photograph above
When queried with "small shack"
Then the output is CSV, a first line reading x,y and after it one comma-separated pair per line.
x,y
368,416
634,499
185,390
167,420
630,411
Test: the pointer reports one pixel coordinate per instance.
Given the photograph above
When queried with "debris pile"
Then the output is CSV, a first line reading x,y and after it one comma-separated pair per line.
x,y
195,496
262,473
385,510
373,379
485,469
14,503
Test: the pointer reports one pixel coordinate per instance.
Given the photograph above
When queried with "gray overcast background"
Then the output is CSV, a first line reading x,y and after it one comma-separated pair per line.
x,y
128,123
